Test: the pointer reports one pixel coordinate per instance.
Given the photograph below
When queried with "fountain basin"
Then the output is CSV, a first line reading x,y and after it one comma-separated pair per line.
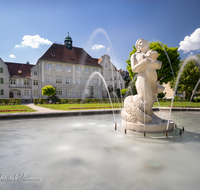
x,y
85,153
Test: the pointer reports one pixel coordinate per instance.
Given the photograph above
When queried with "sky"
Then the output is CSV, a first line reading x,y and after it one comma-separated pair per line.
x,y
28,28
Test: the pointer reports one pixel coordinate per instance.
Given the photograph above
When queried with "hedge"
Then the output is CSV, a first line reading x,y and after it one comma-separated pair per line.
x,y
78,100
12,101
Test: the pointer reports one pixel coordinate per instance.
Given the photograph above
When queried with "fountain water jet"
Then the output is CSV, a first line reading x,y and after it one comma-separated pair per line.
x,y
91,76
101,30
176,84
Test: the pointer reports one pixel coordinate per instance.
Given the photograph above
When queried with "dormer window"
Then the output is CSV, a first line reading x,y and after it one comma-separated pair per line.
x,y
19,71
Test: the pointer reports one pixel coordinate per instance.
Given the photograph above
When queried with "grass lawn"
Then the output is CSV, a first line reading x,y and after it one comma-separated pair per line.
x,y
177,104
15,107
70,107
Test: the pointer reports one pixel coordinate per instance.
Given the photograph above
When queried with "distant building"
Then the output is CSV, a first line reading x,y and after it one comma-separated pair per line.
x,y
169,93
65,67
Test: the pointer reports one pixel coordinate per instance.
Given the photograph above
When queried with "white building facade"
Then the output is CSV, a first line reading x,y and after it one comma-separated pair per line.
x,y
65,67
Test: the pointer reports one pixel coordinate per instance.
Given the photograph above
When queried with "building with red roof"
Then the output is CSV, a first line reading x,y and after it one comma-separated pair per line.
x,y
70,69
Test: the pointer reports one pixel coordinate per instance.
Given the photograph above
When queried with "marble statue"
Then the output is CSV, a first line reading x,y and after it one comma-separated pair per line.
x,y
138,109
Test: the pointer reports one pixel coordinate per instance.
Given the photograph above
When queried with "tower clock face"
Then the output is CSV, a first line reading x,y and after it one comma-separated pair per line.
x,y
68,42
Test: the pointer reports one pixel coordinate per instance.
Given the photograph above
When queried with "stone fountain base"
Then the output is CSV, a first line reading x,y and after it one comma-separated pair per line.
x,y
157,125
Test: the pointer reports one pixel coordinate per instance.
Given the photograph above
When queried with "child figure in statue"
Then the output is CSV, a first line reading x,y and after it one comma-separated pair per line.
x,y
144,62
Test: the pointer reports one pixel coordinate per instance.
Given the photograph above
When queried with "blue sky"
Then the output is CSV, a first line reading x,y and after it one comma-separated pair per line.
x,y
29,27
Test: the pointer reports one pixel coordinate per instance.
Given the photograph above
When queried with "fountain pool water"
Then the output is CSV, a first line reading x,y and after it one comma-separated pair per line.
x,y
85,153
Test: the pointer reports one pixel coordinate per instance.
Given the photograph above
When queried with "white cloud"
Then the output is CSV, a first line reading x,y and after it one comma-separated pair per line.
x,y
191,43
12,56
97,47
33,41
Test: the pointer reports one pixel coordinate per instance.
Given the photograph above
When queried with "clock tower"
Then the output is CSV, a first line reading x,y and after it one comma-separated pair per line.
x,y
68,42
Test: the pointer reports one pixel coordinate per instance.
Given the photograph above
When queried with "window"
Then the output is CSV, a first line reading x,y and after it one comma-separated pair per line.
x,y
78,69
58,67
87,70
78,81
26,92
2,92
35,92
87,92
1,70
48,66
12,81
68,92
26,82
68,69
35,73
86,80
95,82
95,93
111,78
35,82
1,80
58,79
48,79
58,91
95,70
68,80
115,78
115,85
79,92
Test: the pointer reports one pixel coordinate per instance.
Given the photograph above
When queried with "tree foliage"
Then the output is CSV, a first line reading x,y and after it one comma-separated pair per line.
x,y
165,73
188,78
48,90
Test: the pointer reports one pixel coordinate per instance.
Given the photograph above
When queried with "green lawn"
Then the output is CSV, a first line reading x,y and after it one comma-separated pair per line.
x,y
15,107
68,107
177,104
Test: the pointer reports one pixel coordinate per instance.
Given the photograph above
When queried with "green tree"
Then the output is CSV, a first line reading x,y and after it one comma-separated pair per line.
x,y
189,78
165,73
48,90
123,91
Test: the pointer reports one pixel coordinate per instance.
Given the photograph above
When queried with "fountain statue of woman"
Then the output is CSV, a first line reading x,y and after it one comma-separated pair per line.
x,y
138,109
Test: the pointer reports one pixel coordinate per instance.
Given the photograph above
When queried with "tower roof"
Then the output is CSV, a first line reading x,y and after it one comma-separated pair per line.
x,y
68,38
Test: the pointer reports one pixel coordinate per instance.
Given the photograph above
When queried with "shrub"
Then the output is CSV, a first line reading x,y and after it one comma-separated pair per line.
x,y
16,101
176,98
197,99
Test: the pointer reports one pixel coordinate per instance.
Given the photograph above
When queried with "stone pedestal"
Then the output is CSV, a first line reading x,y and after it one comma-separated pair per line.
x,y
157,125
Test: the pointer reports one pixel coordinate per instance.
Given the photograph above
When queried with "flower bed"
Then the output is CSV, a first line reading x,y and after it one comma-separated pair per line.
x,y
10,110
95,107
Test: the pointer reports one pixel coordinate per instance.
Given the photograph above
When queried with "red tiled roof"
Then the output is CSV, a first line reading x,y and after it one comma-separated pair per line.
x,y
100,59
15,68
58,52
